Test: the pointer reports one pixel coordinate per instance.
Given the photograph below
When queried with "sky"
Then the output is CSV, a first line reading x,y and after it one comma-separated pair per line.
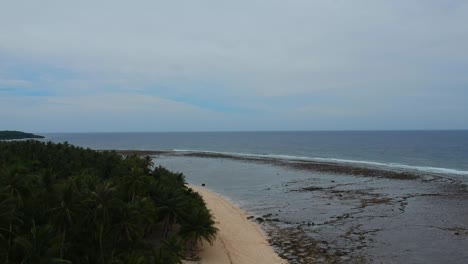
x,y
125,66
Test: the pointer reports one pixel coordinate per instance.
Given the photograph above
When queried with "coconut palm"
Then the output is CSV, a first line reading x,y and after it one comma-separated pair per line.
x,y
8,219
170,251
199,225
170,205
103,202
63,204
39,246
16,187
135,183
67,211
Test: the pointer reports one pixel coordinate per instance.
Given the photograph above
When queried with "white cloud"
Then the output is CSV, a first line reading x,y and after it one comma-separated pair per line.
x,y
241,52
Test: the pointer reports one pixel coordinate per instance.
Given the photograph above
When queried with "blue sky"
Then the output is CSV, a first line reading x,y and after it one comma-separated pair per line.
x,y
233,65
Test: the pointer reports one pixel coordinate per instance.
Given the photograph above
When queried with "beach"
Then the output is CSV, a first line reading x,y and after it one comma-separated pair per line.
x,y
383,197
239,241
329,213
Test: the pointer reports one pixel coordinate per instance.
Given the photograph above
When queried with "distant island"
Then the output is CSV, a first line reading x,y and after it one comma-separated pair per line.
x,y
8,135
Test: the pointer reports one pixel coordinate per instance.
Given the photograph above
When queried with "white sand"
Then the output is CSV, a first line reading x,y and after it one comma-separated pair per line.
x,y
239,240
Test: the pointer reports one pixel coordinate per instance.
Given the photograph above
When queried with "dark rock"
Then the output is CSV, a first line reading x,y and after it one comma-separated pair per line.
x,y
312,188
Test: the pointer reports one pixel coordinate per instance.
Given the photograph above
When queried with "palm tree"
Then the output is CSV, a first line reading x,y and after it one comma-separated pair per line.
x,y
16,186
38,246
135,183
103,201
8,218
170,205
128,226
132,223
135,257
199,225
170,251
68,210
15,182
62,202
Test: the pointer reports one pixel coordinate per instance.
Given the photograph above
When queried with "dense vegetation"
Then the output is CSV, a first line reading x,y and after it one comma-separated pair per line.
x,y
64,204
8,135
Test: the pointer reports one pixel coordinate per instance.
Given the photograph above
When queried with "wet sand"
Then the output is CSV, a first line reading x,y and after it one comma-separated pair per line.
x,y
239,241
320,212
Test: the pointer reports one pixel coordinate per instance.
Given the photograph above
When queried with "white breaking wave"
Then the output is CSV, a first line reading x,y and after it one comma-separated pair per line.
x,y
334,160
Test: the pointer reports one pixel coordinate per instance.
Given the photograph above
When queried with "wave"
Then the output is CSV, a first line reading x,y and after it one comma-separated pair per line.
x,y
427,169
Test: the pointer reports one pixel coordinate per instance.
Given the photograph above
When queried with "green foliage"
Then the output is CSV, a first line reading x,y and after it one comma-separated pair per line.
x,y
9,135
64,204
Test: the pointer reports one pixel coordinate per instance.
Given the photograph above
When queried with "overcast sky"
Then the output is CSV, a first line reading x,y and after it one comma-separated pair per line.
x,y
233,65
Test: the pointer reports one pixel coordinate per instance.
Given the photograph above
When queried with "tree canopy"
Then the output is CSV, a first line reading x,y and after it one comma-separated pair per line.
x,y
64,204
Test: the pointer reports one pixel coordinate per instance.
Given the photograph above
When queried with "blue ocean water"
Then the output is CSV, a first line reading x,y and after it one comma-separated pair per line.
x,y
433,151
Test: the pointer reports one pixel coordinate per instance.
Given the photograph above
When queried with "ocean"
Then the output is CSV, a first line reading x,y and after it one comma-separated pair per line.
x,y
327,197
430,151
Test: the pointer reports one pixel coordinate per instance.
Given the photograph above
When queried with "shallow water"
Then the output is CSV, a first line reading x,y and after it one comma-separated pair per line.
x,y
329,197
341,218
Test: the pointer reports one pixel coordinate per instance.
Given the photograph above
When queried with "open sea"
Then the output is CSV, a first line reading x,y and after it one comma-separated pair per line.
x,y
427,151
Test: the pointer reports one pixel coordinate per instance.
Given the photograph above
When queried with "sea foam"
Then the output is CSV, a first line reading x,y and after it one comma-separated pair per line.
x,y
332,160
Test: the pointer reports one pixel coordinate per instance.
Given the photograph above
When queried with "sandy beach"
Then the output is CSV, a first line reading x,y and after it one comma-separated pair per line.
x,y
239,240
327,213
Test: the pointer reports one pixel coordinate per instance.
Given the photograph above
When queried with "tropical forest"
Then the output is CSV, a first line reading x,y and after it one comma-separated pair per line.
x,y
64,204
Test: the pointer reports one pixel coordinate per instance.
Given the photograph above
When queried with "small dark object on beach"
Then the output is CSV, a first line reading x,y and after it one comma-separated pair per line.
x,y
332,181
312,188
250,217
260,220
203,184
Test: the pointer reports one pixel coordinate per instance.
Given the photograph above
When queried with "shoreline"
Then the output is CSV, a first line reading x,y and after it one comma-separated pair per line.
x,y
239,241
305,165
315,217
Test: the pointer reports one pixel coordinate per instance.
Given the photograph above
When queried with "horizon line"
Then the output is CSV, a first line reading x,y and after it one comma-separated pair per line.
x,y
251,131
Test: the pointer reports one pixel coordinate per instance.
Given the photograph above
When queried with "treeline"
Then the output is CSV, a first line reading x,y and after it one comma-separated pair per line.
x,y
64,204
8,135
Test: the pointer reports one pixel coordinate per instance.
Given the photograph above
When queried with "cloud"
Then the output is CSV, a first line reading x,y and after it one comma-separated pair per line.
x,y
255,59
13,83
103,112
